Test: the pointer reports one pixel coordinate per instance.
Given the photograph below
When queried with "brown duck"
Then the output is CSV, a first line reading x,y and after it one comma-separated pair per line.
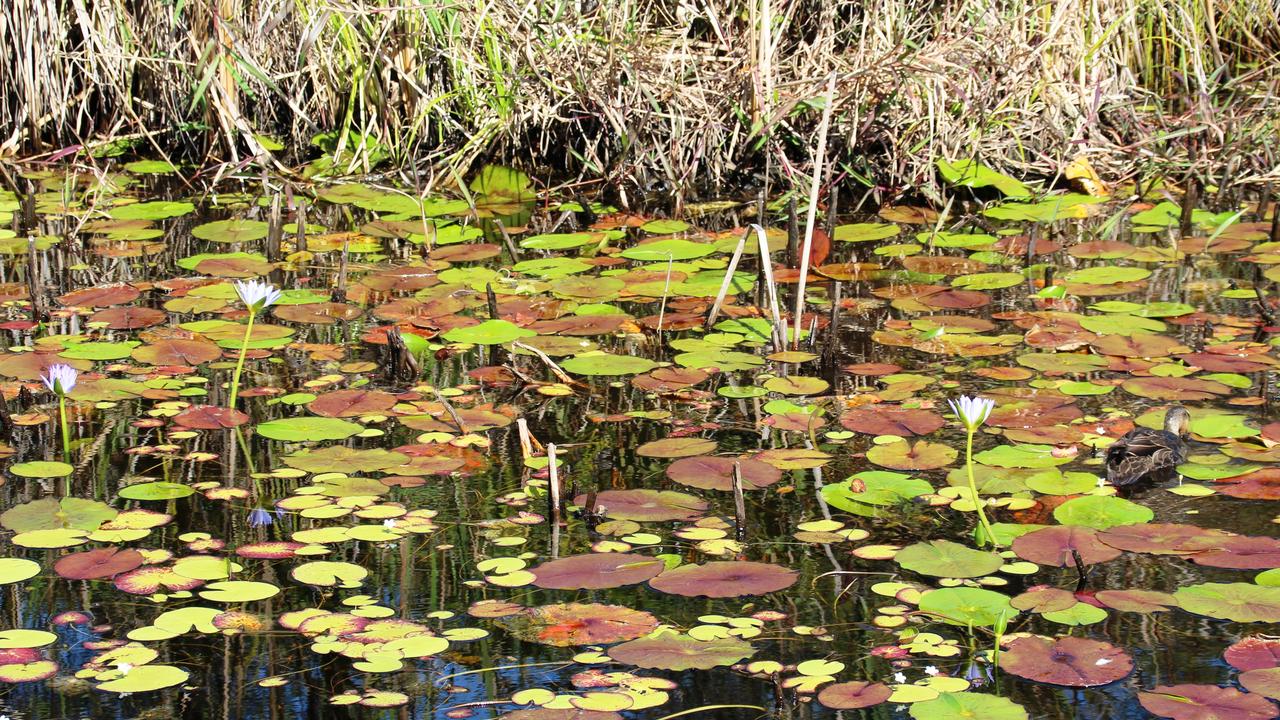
x,y
1143,453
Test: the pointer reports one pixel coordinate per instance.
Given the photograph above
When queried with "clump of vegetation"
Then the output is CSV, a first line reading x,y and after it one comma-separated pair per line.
x,y
652,96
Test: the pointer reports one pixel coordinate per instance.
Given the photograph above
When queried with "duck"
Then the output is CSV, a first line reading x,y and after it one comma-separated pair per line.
x,y
1143,452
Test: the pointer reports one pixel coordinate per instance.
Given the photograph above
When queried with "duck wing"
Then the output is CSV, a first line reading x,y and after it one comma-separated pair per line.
x,y
1141,453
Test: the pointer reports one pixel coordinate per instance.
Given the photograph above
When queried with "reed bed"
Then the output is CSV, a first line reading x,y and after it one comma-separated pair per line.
x,y
655,95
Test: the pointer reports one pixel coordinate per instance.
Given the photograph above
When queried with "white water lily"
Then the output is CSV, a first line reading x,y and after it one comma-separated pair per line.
x,y
899,677
124,668
60,378
972,411
257,295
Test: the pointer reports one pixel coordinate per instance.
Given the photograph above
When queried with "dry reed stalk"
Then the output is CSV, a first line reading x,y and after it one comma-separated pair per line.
x,y
646,93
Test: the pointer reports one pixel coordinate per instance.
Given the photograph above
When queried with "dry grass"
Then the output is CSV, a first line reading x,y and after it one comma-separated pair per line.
x,y
664,94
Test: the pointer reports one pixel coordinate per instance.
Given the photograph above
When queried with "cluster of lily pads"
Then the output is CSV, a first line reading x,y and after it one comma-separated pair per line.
x,y
252,380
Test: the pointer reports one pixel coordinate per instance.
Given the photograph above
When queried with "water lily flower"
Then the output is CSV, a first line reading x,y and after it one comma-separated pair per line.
x,y
257,295
60,379
389,523
931,671
972,411
260,517
899,677
124,667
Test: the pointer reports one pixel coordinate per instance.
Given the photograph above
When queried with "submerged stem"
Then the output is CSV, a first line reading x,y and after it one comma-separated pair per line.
x,y
244,348
973,490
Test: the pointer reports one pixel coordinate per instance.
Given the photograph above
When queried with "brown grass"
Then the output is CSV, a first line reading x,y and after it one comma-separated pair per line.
x,y
662,95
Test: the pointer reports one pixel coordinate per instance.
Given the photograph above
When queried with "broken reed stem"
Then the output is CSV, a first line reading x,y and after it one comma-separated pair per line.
x,y
766,268
815,185
553,481
739,503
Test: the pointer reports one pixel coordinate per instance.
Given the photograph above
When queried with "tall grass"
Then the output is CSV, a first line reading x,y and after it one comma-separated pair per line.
x,y
654,94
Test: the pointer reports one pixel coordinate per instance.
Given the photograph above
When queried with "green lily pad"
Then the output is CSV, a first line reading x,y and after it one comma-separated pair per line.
x,y
489,332
1101,512
943,558
308,429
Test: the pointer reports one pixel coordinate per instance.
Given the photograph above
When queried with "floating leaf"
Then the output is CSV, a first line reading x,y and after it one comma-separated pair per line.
x,y
1070,661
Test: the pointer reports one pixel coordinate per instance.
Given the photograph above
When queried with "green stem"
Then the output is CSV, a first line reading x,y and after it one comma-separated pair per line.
x,y
973,490
244,348
66,436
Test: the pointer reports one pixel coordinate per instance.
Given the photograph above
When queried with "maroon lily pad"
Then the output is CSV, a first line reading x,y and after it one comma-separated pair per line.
x,y
177,351
100,296
1175,388
854,695
1253,653
1070,661
596,571
1137,601
1242,553
1058,545
351,403
646,505
1160,538
681,652
1044,599
676,447
710,472
891,420
97,564
730,578
129,318
1263,681
1205,702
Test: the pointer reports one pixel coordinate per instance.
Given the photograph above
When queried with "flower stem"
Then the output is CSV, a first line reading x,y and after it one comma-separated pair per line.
x,y
67,437
244,348
978,502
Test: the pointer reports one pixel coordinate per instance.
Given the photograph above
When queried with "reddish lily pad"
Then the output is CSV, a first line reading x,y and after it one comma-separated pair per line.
x,y
569,624
1069,661
721,579
1160,538
892,420
97,564
710,472
1137,601
1205,702
1057,546
1253,653
1175,388
351,403
209,417
1242,553
680,652
676,447
854,695
647,505
921,455
596,571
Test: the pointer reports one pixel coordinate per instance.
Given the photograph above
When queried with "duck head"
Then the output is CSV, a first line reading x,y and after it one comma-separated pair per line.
x,y
1178,421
